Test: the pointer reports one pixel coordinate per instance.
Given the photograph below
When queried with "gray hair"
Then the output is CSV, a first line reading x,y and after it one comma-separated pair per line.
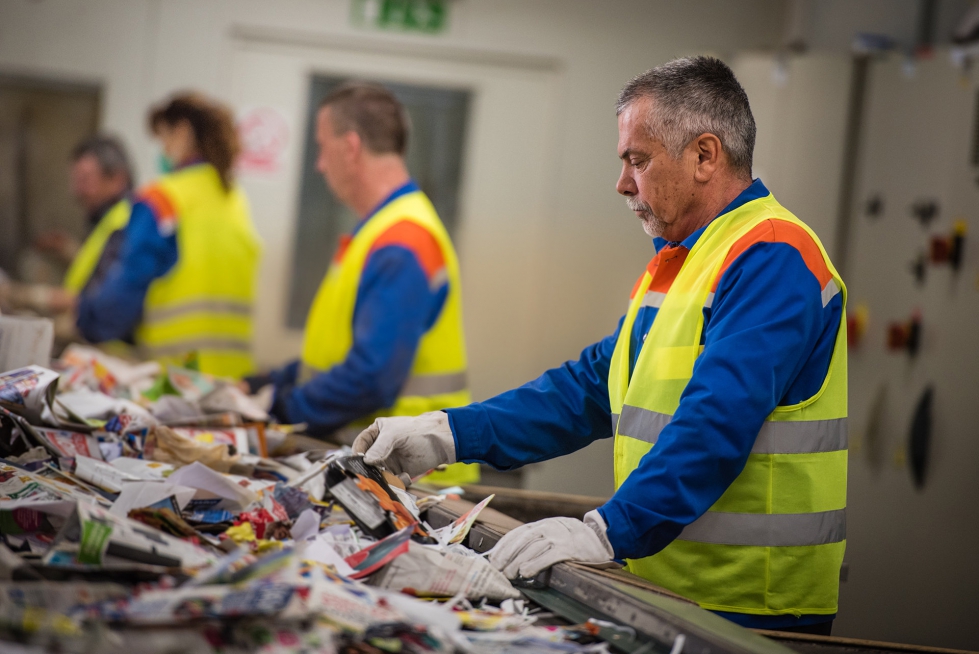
x,y
694,96
109,152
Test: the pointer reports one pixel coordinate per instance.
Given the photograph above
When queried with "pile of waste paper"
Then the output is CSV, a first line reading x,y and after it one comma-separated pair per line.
x,y
157,508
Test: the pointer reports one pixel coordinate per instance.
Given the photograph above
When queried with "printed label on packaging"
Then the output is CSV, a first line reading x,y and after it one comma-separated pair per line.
x,y
359,503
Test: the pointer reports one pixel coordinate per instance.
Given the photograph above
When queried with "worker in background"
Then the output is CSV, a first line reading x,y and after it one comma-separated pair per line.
x,y
101,181
384,335
724,385
185,280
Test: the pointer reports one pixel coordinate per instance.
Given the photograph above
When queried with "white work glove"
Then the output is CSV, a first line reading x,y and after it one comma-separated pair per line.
x,y
536,546
408,446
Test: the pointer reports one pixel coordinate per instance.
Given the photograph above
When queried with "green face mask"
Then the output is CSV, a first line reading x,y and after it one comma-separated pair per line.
x,y
164,164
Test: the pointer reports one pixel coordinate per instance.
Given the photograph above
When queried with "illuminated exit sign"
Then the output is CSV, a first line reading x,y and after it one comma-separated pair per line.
x,y
426,16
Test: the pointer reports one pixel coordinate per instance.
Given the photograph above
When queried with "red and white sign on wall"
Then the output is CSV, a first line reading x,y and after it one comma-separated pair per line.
x,y
264,134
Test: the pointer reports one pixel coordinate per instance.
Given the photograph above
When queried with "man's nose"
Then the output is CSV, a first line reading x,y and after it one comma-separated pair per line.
x,y
626,186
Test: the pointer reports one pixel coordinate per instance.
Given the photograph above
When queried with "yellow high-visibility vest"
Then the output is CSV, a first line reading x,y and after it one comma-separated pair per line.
x,y
438,373
201,310
84,263
773,543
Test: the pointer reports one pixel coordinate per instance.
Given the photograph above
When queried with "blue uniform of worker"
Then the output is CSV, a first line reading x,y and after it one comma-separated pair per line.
x,y
113,309
771,340
398,300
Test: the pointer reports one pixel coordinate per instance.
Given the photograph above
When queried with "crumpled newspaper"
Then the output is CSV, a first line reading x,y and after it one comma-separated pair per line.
x,y
425,571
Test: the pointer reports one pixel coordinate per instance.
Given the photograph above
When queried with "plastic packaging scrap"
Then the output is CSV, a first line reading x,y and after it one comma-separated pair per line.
x,y
134,497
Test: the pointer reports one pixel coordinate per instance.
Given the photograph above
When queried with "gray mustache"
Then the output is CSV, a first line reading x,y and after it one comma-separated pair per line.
x,y
635,204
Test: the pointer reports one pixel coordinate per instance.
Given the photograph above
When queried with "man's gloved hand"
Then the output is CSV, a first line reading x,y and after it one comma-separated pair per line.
x,y
536,546
408,446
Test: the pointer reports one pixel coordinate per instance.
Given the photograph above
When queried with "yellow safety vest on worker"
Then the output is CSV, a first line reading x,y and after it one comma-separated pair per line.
x,y
773,543
200,312
437,379
85,262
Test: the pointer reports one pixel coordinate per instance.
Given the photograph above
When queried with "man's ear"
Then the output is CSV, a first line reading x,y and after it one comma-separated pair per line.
x,y
708,150
355,147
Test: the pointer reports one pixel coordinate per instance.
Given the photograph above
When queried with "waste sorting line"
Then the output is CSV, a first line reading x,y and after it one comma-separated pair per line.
x,y
156,508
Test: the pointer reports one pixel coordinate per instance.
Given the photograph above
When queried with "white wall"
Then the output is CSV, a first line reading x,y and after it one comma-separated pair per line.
x,y
577,256
800,106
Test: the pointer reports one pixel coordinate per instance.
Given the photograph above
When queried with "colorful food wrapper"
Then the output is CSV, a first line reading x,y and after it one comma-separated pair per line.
x,y
372,558
30,389
456,531
69,444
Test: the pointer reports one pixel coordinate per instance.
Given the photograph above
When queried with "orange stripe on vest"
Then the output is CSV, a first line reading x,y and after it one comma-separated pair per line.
x,y
418,240
780,231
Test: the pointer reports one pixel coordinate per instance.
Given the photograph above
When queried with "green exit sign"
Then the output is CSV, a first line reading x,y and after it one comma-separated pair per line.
x,y
427,16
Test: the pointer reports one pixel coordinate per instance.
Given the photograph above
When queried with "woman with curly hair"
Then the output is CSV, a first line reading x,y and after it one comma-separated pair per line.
x,y
185,283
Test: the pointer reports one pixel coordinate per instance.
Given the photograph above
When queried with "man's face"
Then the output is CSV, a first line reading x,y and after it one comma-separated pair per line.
x,y
91,187
336,158
658,188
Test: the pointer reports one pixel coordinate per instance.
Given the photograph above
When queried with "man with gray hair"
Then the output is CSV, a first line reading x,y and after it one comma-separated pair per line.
x,y
724,386
101,181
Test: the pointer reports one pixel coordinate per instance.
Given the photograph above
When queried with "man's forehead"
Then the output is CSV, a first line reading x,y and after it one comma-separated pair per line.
x,y
87,162
324,124
633,134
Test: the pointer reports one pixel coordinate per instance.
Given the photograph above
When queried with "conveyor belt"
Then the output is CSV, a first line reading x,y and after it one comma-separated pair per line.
x,y
659,618
661,621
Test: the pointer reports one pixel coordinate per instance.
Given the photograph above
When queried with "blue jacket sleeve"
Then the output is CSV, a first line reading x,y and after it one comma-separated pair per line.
x,y
395,307
113,309
560,412
766,321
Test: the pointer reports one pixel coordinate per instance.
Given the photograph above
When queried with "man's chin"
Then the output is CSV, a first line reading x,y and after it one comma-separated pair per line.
x,y
653,228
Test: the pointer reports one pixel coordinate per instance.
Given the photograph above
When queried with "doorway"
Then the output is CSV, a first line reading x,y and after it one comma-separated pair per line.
x,y
41,121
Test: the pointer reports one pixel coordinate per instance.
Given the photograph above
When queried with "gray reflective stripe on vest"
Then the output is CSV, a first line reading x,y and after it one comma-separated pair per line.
x,y
829,291
767,529
423,385
655,299
195,344
652,299
642,424
439,279
797,437
804,437
200,306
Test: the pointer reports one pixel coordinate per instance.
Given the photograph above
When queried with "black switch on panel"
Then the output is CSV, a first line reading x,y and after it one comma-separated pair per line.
x,y
905,336
948,249
875,206
919,267
920,441
925,211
